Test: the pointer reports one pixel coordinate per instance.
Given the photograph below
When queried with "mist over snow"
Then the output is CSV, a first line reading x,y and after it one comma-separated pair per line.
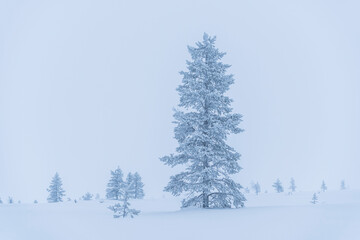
x,y
87,86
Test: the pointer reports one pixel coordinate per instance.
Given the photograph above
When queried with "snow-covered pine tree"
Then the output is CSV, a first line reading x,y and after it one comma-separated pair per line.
x,y
35,202
323,186
10,200
138,186
115,184
292,185
256,188
202,127
127,192
278,186
56,192
342,185
314,199
1,202
87,196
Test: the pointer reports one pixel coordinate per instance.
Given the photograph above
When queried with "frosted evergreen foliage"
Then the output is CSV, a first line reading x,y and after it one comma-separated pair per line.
x,y
256,188
10,200
203,122
314,199
56,192
115,184
292,185
278,186
323,186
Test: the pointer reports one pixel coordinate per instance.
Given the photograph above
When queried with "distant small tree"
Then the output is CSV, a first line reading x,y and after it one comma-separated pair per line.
x,y
138,186
278,186
292,185
19,202
87,197
10,200
343,186
314,199
323,186
97,196
56,192
115,184
1,202
256,188
35,201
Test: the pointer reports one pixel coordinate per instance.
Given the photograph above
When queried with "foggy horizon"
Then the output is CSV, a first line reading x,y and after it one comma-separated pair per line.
x,y
88,86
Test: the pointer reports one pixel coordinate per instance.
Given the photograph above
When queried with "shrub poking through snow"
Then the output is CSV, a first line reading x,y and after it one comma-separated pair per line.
x,y
123,210
87,197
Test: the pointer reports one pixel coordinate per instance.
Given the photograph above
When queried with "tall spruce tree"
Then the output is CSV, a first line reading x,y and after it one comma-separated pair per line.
x,y
115,184
202,127
56,192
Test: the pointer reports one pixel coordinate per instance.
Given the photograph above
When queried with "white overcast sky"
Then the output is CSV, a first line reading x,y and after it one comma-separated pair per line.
x,y
86,86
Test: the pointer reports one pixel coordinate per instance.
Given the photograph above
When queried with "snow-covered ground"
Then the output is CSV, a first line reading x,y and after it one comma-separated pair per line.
x,y
267,216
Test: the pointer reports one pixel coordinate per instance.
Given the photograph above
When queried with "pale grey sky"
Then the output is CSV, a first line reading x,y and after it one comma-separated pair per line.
x,y
86,86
